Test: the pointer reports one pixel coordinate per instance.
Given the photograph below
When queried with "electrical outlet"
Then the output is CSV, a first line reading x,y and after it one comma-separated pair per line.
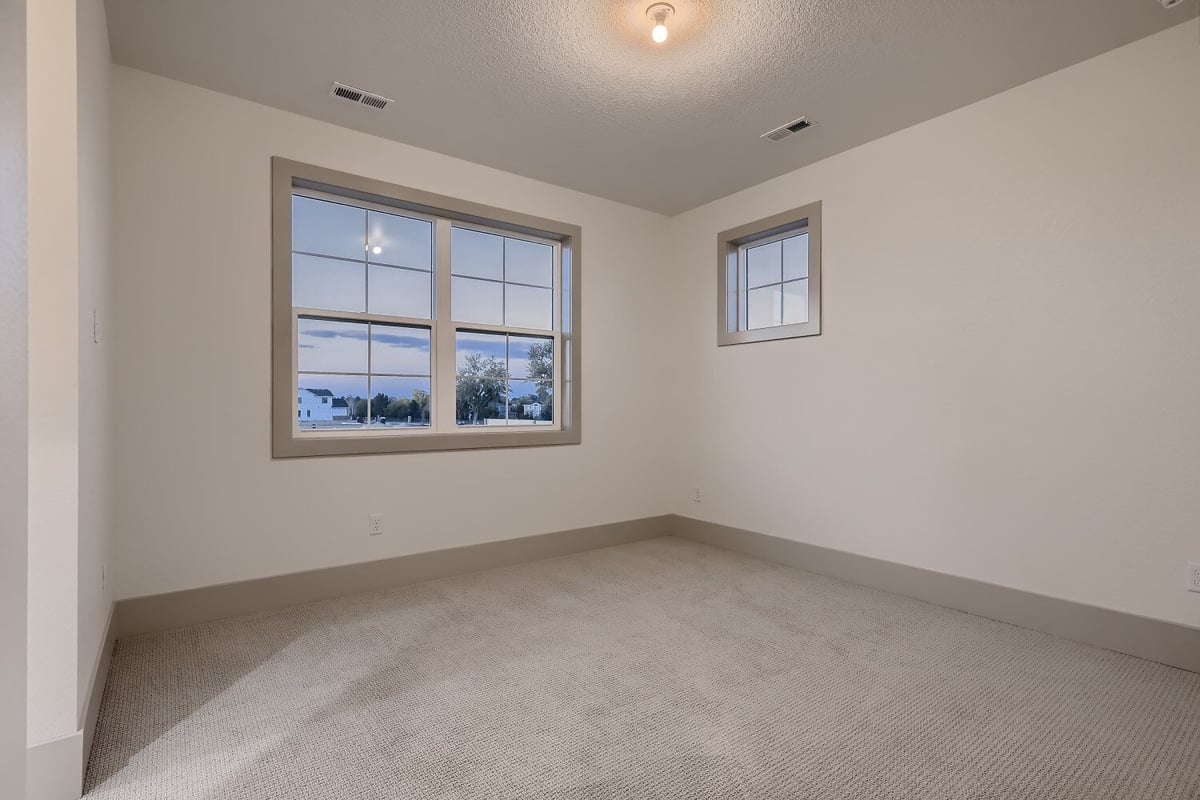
x,y
695,495
1193,576
376,528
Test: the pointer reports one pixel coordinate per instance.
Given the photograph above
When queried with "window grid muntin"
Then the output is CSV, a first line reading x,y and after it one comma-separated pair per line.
x,y
557,270
390,322
438,382
508,378
740,259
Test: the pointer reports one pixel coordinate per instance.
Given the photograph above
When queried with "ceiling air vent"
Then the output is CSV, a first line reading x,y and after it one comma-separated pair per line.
x,y
359,96
784,131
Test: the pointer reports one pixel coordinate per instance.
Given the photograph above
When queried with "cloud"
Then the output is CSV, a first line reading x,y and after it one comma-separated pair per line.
x,y
399,340
359,333
491,346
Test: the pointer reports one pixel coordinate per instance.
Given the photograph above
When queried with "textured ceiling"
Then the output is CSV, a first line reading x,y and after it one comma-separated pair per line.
x,y
576,94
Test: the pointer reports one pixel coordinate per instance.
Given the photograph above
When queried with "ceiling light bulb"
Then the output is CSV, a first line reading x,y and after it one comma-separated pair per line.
x,y
660,12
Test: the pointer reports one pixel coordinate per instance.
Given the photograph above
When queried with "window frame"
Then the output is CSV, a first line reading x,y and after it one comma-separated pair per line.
x,y
730,246
287,177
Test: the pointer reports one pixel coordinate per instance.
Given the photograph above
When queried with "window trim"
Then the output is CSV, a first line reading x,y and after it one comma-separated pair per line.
x,y
287,175
778,226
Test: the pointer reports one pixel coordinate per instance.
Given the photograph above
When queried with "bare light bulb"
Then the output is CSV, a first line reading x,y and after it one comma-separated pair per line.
x,y
660,13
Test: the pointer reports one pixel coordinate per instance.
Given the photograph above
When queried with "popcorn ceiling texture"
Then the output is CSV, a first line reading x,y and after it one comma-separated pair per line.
x,y
576,94
661,669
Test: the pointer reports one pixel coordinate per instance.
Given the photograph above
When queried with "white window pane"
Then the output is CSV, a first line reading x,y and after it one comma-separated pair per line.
x,y
764,264
327,346
399,402
530,402
477,301
565,278
327,402
399,292
528,262
328,283
403,241
795,257
328,229
764,307
795,302
731,295
477,254
526,307
399,349
530,357
481,354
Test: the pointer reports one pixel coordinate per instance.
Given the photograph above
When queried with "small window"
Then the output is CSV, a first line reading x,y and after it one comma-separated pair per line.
x,y
769,278
408,321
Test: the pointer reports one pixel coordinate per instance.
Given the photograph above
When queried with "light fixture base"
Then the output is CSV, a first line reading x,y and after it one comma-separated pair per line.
x,y
660,12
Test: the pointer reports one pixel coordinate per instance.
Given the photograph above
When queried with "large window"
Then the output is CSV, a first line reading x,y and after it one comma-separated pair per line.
x,y
409,321
769,278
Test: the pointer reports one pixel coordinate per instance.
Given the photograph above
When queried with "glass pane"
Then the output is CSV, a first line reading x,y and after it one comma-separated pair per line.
x,y
565,322
481,354
528,262
764,264
403,241
329,401
530,402
526,307
328,229
328,283
795,257
764,307
530,357
399,349
327,346
399,402
475,253
399,292
477,301
731,293
795,302
481,401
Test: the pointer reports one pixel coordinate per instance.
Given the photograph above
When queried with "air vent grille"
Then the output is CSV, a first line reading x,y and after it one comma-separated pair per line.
x,y
374,101
359,96
784,131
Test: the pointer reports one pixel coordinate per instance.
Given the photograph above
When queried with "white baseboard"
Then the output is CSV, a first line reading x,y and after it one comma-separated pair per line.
x,y
162,612
1153,639
53,769
95,691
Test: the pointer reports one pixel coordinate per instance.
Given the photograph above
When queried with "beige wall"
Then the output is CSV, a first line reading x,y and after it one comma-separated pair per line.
x,y
69,423
1006,384
14,366
96,357
199,499
53,372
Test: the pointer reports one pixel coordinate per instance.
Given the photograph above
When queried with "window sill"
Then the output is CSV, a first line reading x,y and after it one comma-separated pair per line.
x,y
293,445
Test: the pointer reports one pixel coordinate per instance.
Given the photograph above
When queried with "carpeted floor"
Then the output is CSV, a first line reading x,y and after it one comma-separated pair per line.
x,y
662,669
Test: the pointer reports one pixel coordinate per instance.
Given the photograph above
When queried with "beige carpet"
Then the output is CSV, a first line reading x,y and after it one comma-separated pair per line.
x,y
662,669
